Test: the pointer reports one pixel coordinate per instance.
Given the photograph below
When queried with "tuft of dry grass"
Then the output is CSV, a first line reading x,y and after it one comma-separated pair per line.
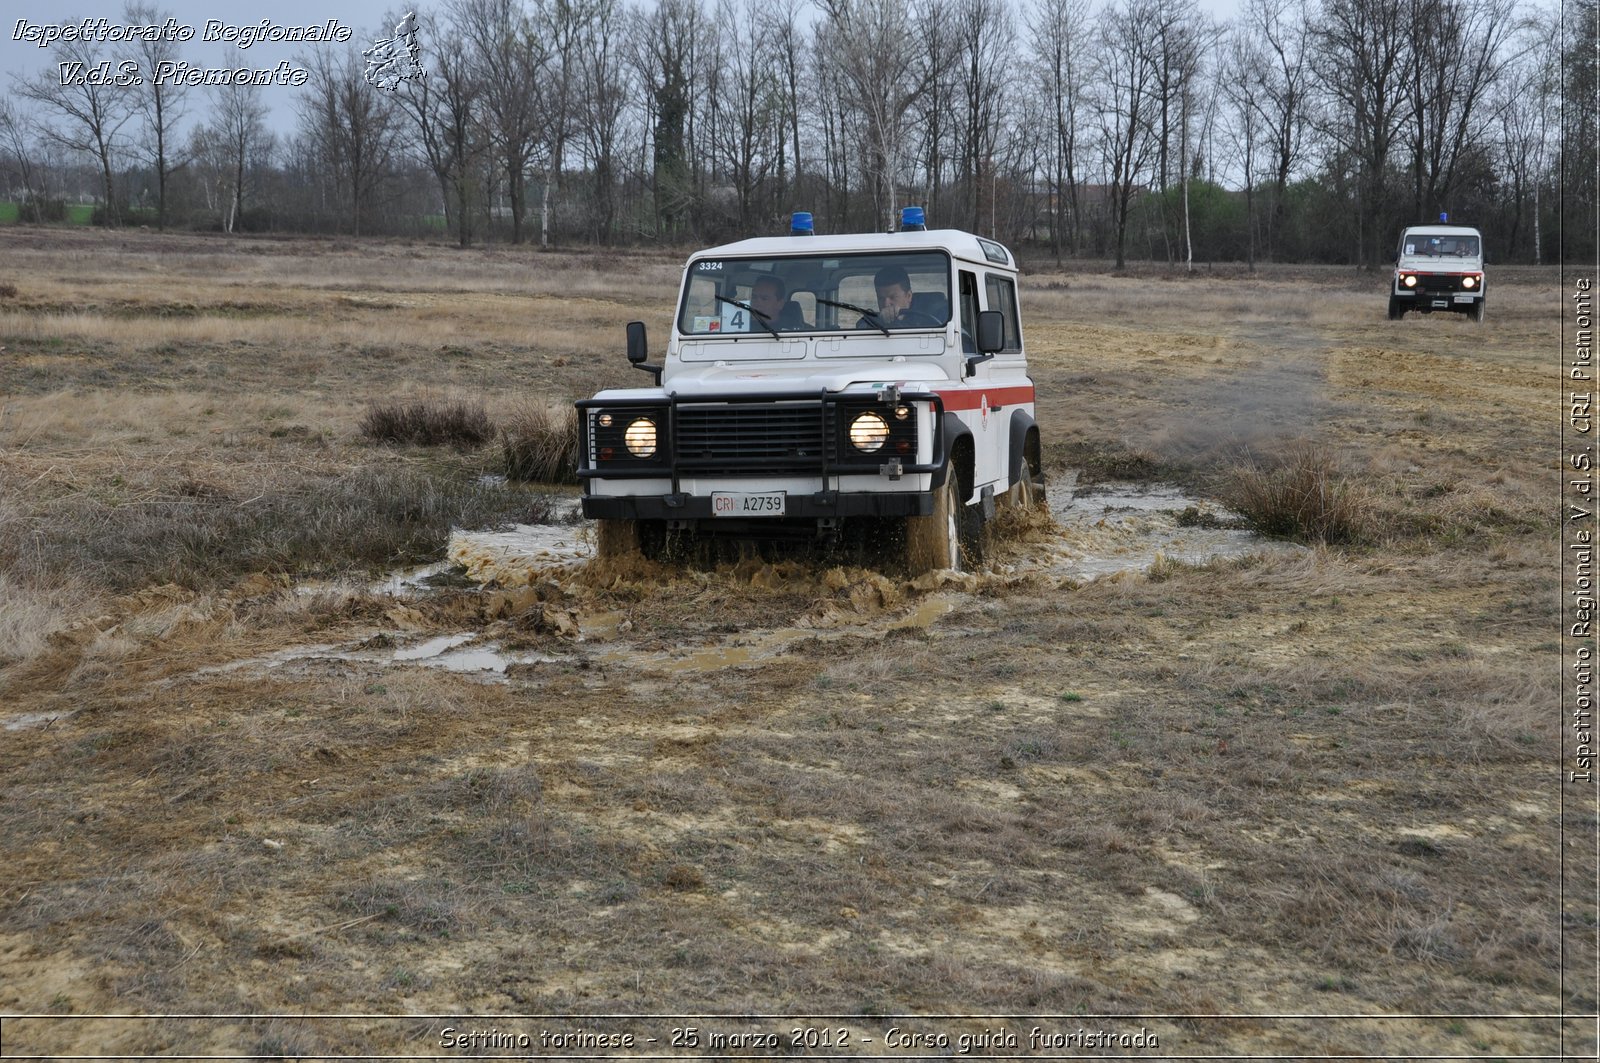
x,y
1299,495
363,519
540,443
456,423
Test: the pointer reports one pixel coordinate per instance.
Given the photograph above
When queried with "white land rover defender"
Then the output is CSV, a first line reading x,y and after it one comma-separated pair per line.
x,y
1438,267
819,386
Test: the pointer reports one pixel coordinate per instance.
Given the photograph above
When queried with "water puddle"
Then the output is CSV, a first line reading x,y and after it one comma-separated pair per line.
x,y
1100,531
1115,528
28,720
488,660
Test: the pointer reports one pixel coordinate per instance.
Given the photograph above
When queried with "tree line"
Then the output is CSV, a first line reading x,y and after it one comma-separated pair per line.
x,y
1302,130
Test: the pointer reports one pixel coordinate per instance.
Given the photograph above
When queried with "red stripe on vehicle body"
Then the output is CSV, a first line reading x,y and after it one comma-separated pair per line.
x,y
972,398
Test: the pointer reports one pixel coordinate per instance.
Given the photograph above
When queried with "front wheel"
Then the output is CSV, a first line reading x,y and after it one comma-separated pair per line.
x,y
934,542
1477,311
1397,308
616,538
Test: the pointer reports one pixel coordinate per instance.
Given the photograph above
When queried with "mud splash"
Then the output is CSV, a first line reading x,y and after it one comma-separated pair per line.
x,y
1092,534
522,555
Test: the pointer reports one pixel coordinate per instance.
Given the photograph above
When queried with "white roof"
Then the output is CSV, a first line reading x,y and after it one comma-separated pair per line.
x,y
1442,230
960,244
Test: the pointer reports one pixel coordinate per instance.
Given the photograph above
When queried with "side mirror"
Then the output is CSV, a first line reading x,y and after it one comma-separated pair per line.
x,y
638,344
991,332
639,349
1394,256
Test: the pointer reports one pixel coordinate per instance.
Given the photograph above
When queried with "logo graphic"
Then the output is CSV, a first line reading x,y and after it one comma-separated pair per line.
x,y
394,59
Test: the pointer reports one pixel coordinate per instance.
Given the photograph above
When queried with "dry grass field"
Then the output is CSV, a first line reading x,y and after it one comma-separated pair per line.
x,y
1319,781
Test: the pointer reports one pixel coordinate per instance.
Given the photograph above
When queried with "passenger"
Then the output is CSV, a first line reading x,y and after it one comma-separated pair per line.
x,y
769,298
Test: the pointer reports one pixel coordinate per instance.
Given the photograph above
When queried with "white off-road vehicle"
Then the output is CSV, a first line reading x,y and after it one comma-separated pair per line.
x,y
1438,267
819,387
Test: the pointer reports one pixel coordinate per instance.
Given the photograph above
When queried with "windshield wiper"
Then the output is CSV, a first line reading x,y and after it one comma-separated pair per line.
x,y
863,311
755,314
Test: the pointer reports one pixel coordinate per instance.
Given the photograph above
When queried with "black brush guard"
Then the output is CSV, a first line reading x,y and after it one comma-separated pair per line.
x,y
786,434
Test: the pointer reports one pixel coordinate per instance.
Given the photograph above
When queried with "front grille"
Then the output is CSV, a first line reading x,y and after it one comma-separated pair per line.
x,y
1440,284
730,437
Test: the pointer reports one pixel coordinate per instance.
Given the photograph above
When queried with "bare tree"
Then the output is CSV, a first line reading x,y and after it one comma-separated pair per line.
x,y
662,53
1460,54
603,92
878,61
985,37
751,134
1242,87
239,137
783,37
445,112
1126,102
1280,93
353,127
85,108
1060,47
565,25
509,60
933,115
1364,61
15,132
1529,97
159,100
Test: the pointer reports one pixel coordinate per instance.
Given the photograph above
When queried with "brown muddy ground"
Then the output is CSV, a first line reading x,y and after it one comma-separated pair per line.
x,y
1192,799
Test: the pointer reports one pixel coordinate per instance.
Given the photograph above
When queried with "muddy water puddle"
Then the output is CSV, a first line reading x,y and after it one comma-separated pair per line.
x,y
461,653
1100,531
1115,528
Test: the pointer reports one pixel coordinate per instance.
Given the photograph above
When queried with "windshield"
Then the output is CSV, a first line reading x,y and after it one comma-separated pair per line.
x,y
1440,246
808,293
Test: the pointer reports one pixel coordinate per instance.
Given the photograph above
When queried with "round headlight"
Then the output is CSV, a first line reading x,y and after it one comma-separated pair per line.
x,y
1469,282
641,438
1411,281
869,431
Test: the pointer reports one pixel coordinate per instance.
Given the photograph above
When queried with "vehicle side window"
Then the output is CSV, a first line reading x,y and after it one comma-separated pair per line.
x,y
1002,296
969,312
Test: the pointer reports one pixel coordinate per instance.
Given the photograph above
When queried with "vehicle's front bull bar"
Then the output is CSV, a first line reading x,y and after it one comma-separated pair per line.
x,y
670,465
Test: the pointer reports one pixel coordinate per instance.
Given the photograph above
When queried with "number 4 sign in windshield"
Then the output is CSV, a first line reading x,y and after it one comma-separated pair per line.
x,y
735,318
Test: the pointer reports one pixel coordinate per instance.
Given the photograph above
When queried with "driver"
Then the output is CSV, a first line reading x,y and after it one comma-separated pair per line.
x,y
894,300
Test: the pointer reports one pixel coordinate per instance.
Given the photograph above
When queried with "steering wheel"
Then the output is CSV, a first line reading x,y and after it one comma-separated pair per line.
x,y
917,319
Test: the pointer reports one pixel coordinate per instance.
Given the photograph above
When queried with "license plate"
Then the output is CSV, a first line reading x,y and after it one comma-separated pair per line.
x,y
762,504
1463,298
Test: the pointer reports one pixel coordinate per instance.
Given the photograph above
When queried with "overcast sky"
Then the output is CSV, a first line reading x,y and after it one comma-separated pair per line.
x,y
366,19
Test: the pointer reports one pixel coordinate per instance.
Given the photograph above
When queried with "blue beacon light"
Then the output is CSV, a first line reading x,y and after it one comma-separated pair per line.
x,y
800,224
912,220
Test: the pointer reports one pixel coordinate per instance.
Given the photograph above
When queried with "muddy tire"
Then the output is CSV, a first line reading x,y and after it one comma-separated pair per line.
x,y
616,539
1477,311
934,542
1028,492
1397,309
